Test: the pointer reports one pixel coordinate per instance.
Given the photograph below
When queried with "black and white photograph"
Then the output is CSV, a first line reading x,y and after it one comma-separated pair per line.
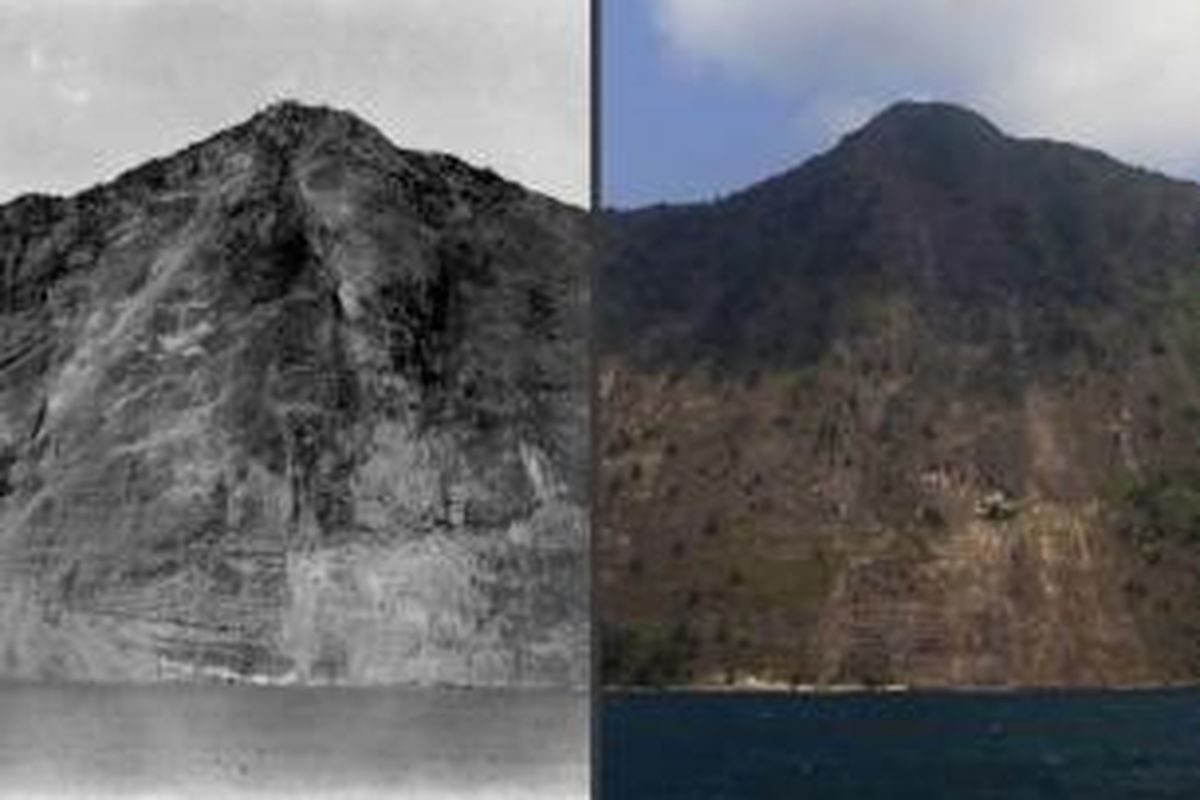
x,y
294,379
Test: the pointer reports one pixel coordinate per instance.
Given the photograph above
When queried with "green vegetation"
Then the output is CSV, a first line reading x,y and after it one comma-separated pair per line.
x,y
649,654
1160,508
931,327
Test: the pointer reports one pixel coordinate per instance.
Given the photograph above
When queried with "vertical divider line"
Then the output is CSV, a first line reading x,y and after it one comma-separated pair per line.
x,y
595,187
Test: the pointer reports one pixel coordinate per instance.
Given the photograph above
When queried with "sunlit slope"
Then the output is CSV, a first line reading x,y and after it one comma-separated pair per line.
x,y
924,410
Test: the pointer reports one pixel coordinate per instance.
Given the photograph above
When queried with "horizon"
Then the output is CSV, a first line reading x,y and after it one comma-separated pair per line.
x,y
754,182
247,119
96,89
703,100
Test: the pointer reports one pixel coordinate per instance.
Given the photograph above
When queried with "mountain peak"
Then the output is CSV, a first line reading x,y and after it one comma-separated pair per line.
x,y
270,320
942,330
934,130
929,141
910,118
289,123
916,111
292,111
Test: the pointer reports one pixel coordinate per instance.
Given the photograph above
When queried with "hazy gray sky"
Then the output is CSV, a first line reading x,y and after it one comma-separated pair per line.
x,y
91,87
1121,75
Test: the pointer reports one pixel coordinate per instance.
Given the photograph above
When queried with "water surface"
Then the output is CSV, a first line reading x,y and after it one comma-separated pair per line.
x,y
206,741
913,746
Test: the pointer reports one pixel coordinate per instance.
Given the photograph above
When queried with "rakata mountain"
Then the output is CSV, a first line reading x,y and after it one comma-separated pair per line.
x,y
294,405
924,410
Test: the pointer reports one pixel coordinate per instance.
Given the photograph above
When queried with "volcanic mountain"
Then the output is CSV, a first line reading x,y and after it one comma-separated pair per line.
x,y
924,410
294,405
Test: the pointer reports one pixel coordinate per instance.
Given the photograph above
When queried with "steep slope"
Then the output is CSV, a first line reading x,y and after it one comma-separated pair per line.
x,y
294,404
924,410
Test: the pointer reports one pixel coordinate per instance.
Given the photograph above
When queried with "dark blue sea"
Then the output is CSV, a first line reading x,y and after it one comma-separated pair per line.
x,y
911,746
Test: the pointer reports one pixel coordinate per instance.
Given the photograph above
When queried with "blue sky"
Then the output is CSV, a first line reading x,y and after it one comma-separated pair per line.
x,y
703,97
674,130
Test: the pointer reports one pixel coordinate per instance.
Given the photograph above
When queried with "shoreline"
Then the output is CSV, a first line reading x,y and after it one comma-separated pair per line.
x,y
9,684
833,690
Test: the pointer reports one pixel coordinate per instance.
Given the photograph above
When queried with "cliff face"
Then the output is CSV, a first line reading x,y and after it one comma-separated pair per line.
x,y
294,404
925,410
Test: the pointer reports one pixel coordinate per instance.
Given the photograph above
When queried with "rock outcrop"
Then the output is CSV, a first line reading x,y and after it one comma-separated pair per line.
x,y
294,405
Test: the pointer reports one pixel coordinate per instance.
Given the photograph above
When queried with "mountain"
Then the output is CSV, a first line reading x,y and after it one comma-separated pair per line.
x,y
294,405
924,410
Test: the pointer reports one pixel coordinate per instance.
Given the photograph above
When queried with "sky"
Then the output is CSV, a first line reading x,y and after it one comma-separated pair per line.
x,y
702,97
89,88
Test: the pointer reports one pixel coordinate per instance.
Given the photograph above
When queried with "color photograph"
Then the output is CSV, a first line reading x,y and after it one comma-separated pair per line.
x,y
898,416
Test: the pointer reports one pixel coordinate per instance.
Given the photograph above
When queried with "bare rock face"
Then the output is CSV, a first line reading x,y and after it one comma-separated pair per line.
x,y
925,410
294,405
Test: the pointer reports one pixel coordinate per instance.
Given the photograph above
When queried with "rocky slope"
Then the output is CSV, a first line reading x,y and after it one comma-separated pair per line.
x,y
294,405
925,410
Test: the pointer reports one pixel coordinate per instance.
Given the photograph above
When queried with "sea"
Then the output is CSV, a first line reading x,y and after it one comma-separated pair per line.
x,y
203,741
1089,745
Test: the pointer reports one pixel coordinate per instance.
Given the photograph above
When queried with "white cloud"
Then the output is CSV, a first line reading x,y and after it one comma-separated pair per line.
x,y
1116,74
91,87
37,60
